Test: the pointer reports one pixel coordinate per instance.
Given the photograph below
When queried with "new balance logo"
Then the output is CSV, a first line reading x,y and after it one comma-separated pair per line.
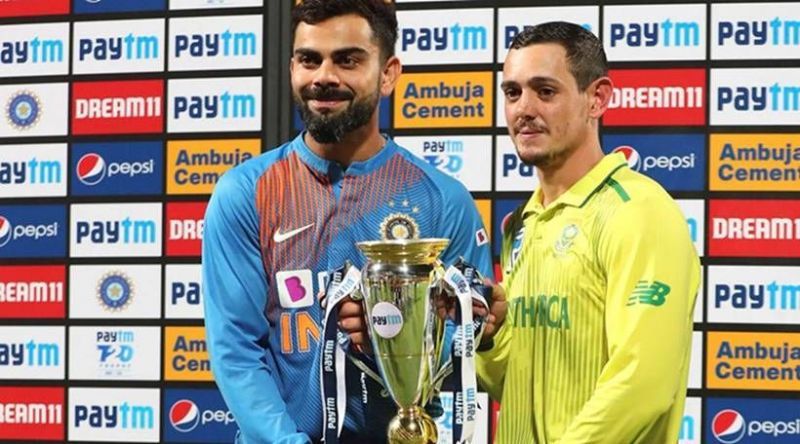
x,y
650,293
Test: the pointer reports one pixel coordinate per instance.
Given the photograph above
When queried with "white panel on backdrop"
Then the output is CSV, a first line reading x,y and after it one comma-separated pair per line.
x,y
696,361
438,37
444,423
114,414
33,170
115,353
511,21
213,4
183,291
753,295
222,104
201,43
755,31
755,96
34,50
691,426
694,211
115,230
115,291
118,46
32,352
33,110
509,171
654,32
462,157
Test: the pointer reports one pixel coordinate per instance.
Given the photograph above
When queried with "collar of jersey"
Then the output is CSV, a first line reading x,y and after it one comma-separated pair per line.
x,y
356,168
583,189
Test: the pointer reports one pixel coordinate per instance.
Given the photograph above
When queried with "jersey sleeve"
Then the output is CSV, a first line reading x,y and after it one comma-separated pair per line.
x,y
235,292
462,224
652,274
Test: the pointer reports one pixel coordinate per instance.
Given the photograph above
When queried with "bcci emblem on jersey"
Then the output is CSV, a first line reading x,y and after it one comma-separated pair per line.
x,y
115,291
23,110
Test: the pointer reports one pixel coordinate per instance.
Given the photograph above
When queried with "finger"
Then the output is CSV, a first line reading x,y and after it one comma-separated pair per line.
x,y
350,308
352,325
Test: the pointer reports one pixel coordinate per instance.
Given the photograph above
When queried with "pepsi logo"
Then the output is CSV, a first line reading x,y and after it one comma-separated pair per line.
x,y
184,415
6,233
728,426
91,169
631,155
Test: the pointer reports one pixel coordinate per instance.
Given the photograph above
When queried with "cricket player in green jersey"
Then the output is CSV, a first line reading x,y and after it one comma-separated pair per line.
x,y
599,272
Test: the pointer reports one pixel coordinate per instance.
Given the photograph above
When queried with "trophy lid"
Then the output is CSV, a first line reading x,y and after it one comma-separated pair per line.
x,y
410,251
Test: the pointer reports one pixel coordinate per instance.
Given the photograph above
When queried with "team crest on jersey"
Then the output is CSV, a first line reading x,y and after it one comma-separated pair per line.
x,y
23,110
398,226
564,243
114,291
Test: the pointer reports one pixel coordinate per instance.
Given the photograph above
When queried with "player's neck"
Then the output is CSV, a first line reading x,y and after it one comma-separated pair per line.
x,y
356,146
557,179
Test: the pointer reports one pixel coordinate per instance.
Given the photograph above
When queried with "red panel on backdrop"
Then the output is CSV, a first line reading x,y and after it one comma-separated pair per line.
x,y
185,228
20,8
754,228
36,291
119,107
659,97
32,413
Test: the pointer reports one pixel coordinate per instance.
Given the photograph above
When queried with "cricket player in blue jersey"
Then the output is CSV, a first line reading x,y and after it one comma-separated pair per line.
x,y
277,224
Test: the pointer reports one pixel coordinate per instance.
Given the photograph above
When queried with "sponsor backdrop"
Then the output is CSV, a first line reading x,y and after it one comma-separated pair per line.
x,y
118,118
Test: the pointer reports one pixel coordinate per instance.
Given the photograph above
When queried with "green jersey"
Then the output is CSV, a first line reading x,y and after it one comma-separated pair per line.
x,y
601,287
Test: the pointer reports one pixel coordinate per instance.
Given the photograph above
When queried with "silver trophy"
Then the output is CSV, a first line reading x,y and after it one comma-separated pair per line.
x,y
399,282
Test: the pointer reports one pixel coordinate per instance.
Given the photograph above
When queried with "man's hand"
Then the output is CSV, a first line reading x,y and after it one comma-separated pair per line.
x,y
353,322
497,312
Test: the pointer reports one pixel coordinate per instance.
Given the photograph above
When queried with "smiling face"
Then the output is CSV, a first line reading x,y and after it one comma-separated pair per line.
x,y
548,116
337,76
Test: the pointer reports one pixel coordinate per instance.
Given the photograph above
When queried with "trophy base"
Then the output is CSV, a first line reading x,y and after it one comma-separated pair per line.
x,y
412,426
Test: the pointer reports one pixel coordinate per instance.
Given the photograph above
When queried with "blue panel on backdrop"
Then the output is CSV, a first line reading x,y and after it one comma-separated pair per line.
x,y
33,231
117,168
197,415
99,6
752,421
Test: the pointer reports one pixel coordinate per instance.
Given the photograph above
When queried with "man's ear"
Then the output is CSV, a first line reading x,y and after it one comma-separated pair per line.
x,y
390,75
600,92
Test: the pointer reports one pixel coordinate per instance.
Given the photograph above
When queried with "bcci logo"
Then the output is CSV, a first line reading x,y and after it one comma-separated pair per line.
x,y
23,110
631,155
567,237
728,426
115,291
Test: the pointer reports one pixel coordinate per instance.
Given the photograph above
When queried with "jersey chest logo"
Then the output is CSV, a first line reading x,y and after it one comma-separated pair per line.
x,y
564,243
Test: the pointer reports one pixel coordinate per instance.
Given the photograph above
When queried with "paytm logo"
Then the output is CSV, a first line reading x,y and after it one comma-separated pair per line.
x,y
184,292
233,42
739,95
743,294
125,230
655,32
744,31
200,104
121,416
114,414
118,46
438,36
33,170
117,168
29,354
512,21
510,173
32,352
29,50
676,161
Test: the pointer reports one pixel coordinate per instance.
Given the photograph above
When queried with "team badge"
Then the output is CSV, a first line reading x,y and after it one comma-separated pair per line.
x,y
567,236
23,110
399,226
115,291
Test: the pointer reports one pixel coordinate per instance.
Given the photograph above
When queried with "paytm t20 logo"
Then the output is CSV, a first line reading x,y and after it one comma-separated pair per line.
x,y
118,353
755,96
752,420
434,37
197,415
104,230
755,31
32,231
114,415
34,50
33,170
461,157
118,46
512,21
116,168
117,107
676,161
204,43
32,352
657,32
198,105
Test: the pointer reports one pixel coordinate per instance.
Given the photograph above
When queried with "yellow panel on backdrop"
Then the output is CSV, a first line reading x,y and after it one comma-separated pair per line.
x,y
753,361
194,166
444,100
754,162
186,354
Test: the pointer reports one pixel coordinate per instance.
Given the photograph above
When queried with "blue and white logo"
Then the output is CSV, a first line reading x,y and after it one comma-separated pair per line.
x,y
752,420
676,161
115,291
655,32
435,37
118,46
28,231
23,110
755,31
198,105
117,168
206,43
197,415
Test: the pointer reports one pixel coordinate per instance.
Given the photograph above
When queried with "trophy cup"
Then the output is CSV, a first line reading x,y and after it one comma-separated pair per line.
x,y
398,283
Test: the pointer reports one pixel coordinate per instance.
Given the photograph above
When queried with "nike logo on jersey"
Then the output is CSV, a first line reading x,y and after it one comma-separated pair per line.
x,y
279,237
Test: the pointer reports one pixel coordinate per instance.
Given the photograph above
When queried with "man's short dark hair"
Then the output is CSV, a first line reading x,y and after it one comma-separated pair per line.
x,y
585,54
380,14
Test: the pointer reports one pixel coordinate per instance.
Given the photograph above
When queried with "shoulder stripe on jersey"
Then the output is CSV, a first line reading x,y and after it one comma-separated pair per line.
x,y
618,188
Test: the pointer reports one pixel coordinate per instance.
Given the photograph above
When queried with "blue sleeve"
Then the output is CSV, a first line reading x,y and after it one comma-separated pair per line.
x,y
235,295
462,224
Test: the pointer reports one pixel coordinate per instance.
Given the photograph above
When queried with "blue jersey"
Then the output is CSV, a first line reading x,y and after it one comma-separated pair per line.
x,y
275,226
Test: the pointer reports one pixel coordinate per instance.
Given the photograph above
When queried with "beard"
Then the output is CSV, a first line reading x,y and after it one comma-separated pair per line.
x,y
334,126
